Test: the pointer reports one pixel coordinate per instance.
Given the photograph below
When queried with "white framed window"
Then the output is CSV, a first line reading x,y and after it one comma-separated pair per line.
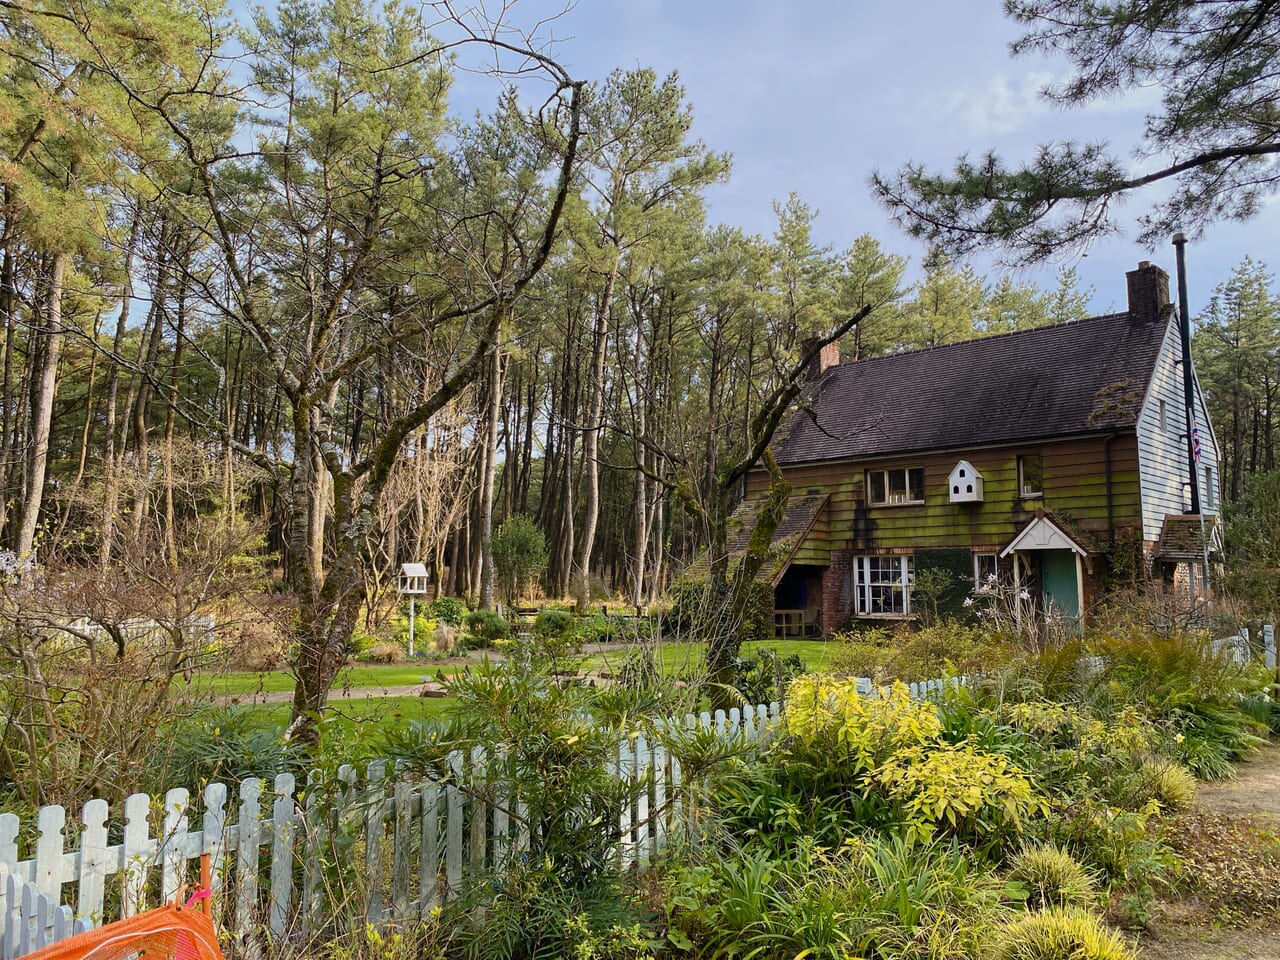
x,y
1209,492
1164,415
902,485
1030,475
985,572
882,585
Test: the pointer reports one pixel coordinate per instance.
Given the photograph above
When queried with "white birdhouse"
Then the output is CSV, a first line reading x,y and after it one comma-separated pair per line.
x,y
965,483
413,579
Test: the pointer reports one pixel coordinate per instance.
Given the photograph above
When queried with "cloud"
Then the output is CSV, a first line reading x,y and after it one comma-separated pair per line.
x,y
1000,106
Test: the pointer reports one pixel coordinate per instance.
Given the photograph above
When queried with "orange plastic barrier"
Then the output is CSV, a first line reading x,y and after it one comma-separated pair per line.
x,y
174,932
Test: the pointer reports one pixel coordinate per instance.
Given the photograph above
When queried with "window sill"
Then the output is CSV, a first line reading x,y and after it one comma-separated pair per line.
x,y
884,616
897,503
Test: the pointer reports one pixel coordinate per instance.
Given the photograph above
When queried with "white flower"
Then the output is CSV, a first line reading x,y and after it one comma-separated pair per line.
x,y
1024,595
968,601
991,578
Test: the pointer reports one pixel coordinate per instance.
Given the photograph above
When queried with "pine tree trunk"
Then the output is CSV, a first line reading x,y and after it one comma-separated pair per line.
x,y
42,409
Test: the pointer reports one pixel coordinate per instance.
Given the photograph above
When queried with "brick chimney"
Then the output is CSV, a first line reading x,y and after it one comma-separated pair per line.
x,y
1148,293
828,357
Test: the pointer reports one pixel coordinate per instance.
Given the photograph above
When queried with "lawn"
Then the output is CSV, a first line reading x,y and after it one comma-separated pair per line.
x,y
676,659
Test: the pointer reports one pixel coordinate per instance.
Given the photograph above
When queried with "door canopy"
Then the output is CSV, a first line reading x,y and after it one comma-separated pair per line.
x,y
1042,534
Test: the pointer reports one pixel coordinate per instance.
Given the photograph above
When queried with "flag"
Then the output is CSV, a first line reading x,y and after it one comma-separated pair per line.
x,y
1195,442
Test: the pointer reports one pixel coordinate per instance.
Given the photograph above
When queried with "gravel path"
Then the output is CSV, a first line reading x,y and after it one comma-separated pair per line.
x,y
1255,792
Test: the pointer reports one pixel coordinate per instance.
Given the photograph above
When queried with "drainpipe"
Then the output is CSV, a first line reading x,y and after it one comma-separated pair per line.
x,y
1111,515
1188,388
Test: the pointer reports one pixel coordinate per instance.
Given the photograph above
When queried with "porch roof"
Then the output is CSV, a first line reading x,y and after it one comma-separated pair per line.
x,y
797,522
1043,533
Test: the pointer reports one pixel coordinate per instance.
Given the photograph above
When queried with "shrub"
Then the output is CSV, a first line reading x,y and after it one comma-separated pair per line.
x,y
551,622
1166,782
487,626
1053,877
519,555
448,610
1059,933
386,652
764,675
958,789
923,654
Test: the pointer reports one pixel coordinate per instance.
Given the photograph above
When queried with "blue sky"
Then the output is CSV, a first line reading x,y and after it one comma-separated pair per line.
x,y
811,96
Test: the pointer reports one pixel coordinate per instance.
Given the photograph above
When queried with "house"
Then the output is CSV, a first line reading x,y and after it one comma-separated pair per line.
x,y
1053,461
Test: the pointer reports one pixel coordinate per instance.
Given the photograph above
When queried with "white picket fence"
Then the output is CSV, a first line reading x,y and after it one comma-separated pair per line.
x,y
35,920
281,857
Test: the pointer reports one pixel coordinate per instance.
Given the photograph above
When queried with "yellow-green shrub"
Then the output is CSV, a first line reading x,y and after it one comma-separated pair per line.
x,y
867,730
1059,933
958,788
1053,877
1168,782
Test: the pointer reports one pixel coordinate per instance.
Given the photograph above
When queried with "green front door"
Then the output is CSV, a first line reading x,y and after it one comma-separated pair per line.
x,y
1061,588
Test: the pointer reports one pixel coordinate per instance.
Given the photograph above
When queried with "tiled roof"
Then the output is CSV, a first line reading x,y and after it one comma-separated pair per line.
x,y
1180,536
797,521
1072,378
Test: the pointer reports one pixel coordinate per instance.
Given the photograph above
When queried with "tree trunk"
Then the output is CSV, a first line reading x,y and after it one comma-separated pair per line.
x,y
487,481
591,439
42,411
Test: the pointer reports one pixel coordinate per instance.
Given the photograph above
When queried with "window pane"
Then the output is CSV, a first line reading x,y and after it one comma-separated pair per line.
x,y
916,483
876,478
1031,475
897,486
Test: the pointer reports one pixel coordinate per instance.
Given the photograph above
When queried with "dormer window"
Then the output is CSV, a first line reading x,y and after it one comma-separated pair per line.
x,y
964,485
904,485
1030,476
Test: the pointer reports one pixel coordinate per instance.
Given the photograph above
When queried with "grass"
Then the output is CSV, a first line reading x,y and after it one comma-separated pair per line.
x,y
675,659
352,718
356,677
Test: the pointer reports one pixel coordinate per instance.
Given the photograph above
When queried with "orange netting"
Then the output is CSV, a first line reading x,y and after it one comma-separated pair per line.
x,y
174,932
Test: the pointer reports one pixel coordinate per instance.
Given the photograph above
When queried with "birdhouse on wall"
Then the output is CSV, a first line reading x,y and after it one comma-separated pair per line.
x,y
413,579
965,483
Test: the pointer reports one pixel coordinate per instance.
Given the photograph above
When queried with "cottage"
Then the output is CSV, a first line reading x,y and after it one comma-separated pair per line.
x,y
1053,460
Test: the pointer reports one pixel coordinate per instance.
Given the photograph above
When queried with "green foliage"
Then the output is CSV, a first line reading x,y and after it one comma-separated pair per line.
x,y
1052,877
448,610
1060,933
519,555
551,622
764,675
924,654
552,749
225,744
697,612
1212,63
872,897
487,627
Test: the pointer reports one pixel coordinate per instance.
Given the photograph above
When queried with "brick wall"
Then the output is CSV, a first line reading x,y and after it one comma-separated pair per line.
x,y
837,591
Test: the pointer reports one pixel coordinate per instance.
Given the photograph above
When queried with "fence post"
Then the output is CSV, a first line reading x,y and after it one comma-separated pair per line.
x,y
1269,645
93,859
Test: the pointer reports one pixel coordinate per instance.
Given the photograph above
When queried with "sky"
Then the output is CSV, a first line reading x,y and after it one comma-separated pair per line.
x,y
811,96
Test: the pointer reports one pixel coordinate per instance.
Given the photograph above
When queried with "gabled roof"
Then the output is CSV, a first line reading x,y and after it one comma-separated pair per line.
x,y
1072,378
797,520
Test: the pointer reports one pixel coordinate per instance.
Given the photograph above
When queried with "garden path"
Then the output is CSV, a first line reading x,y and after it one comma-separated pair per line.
x,y
1255,793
